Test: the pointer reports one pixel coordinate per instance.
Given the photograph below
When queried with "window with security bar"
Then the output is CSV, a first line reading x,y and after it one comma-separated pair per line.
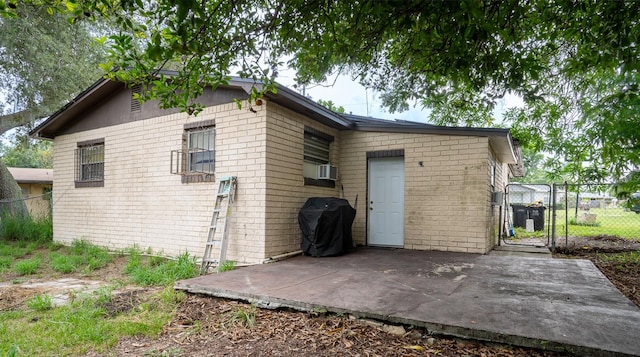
x,y
89,164
201,151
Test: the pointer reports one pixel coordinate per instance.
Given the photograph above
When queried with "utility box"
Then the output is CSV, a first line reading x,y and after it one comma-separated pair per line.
x,y
529,225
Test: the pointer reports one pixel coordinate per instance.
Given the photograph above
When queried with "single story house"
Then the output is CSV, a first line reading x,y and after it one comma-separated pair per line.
x,y
522,194
597,199
130,173
36,185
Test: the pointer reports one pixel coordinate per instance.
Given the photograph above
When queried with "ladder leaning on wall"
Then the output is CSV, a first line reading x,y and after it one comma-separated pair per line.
x,y
221,218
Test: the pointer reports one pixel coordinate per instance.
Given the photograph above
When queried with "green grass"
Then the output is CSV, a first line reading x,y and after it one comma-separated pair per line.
x,y
622,258
245,317
41,329
18,249
81,256
5,262
40,302
227,265
27,266
611,222
81,326
16,228
522,233
165,273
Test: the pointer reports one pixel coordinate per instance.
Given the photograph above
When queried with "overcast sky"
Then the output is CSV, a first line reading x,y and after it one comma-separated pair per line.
x,y
357,100
353,97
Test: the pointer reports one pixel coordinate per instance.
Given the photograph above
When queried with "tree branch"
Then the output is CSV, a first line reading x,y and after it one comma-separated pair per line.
x,y
14,120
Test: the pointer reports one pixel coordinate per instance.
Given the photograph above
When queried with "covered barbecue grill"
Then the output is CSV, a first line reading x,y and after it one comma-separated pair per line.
x,y
326,226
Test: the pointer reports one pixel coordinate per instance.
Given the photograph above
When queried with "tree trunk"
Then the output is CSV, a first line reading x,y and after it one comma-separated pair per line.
x,y
11,202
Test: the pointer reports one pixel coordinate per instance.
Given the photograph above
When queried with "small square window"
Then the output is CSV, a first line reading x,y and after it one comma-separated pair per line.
x,y
89,164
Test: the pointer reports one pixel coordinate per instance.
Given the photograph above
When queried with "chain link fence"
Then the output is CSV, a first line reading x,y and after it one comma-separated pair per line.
x,y
38,206
593,210
550,215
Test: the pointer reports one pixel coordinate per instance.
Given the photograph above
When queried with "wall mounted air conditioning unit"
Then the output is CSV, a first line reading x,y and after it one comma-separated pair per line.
x,y
327,172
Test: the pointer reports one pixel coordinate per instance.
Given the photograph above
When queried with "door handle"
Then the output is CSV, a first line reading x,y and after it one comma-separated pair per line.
x,y
371,206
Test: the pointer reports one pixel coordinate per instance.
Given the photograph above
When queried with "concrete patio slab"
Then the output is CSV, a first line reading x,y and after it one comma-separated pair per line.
x,y
560,304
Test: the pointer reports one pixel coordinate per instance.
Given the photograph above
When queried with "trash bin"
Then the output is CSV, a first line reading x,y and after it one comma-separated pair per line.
x,y
326,226
520,215
537,214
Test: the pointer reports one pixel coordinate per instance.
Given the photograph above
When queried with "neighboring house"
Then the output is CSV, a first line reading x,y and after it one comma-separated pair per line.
x,y
36,187
596,200
129,173
522,194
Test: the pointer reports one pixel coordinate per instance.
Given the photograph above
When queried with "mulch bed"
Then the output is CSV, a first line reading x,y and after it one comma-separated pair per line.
x,y
206,326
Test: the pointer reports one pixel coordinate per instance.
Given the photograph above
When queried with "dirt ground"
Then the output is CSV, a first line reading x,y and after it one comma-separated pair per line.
x,y
206,326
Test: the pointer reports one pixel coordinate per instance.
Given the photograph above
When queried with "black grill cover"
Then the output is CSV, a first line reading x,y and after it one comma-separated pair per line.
x,y
326,226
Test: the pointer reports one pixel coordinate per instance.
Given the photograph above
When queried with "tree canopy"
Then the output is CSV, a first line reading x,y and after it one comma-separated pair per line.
x,y
575,63
329,104
27,152
44,61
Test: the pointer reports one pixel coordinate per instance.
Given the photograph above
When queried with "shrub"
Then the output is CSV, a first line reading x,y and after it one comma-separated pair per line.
x,y
575,222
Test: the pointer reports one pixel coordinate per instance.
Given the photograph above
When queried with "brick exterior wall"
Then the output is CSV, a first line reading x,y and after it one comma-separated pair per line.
x,y
447,199
286,191
142,204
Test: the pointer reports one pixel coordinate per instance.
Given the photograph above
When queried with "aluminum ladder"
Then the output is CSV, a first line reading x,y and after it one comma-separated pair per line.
x,y
224,203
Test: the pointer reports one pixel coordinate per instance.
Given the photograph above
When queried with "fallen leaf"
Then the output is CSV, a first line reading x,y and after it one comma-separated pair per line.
x,y
414,347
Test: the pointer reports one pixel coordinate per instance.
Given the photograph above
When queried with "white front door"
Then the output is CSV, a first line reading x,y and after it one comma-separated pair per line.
x,y
386,202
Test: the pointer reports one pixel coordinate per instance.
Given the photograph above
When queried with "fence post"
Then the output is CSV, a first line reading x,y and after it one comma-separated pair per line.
x,y
566,213
553,218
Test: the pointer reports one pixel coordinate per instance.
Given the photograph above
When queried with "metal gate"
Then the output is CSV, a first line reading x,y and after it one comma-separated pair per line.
x,y
525,218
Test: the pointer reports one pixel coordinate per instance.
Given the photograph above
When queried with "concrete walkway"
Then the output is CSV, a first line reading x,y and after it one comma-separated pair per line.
x,y
560,304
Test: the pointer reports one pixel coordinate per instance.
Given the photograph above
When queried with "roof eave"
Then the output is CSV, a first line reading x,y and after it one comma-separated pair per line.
x,y
500,139
77,103
296,102
36,181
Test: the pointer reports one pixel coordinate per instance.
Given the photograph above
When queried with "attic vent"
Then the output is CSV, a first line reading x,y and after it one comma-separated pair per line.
x,y
135,104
